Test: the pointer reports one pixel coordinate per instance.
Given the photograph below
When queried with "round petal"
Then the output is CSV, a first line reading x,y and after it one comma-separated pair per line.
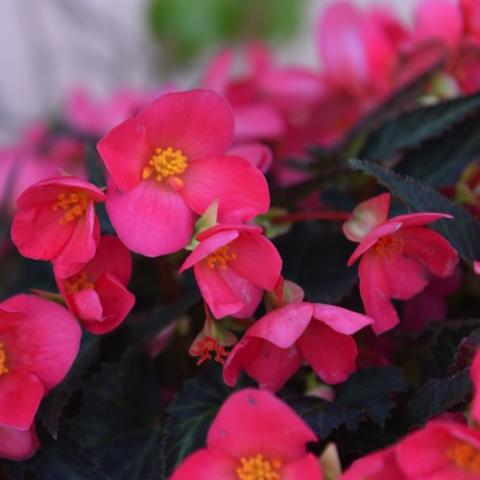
x,y
241,188
151,219
283,326
87,305
198,122
419,219
340,319
20,396
375,293
332,355
253,422
306,467
257,121
125,151
258,154
44,339
267,364
17,444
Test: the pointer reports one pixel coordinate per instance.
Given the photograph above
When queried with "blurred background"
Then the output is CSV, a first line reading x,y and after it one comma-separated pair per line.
x,y
49,47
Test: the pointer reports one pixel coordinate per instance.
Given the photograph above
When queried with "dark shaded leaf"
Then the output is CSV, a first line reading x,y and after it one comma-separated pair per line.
x,y
366,395
412,128
191,413
53,405
119,423
436,397
463,231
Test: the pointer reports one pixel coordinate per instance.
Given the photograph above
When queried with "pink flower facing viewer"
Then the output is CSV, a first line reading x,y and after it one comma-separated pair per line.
x,y
168,164
39,340
254,436
275,346
56,221
233,265
397,256
97,294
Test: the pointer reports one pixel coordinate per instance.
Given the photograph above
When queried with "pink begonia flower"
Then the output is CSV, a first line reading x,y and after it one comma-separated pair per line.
x,y
39,340
255,436
233,265
475,376
97,294
471,20
56,221
97,116
380,465
442,450
359,49
255,117
275,346
38,154
168,164
438,20
397,256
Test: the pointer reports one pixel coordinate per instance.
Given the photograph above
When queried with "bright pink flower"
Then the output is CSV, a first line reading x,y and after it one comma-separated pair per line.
x,y
258,154
442,450
358,49
97,294
381,465
471,19
439,20
37,155
168,164
475,375
56,221
97,117
397,256
233,265
255,117
39,340
254,436
275,346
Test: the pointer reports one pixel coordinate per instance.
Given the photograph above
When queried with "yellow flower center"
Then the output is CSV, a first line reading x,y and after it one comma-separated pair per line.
x,y
74,204
465,456
388,247
77,283
259,468
221,256
3,360
166,163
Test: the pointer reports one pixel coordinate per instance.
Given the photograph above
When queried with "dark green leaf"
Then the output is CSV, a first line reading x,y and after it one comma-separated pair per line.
x,y
54,404
414,127
119,423
436,397
463,231
191,413
366,395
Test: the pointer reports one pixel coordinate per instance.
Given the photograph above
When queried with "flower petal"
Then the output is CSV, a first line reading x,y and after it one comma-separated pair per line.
x,y
241,188
269,365
306,467
332,355
253,422
17,444
125,151
198,122
207,465
87,305
151,219
340,319
375,293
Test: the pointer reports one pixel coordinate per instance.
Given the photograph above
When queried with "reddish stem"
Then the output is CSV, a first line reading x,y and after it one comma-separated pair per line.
x,y
303,216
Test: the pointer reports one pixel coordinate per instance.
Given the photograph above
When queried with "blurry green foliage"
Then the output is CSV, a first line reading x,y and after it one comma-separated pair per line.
x,y
186,27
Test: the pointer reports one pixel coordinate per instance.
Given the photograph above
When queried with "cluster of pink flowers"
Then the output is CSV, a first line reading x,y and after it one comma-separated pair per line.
x,y
187,171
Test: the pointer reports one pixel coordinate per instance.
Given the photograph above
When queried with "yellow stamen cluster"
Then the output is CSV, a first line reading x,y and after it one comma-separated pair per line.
x,y
259,468
221,256
165,163
74,204
3,360
466,457
388,247
77,283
